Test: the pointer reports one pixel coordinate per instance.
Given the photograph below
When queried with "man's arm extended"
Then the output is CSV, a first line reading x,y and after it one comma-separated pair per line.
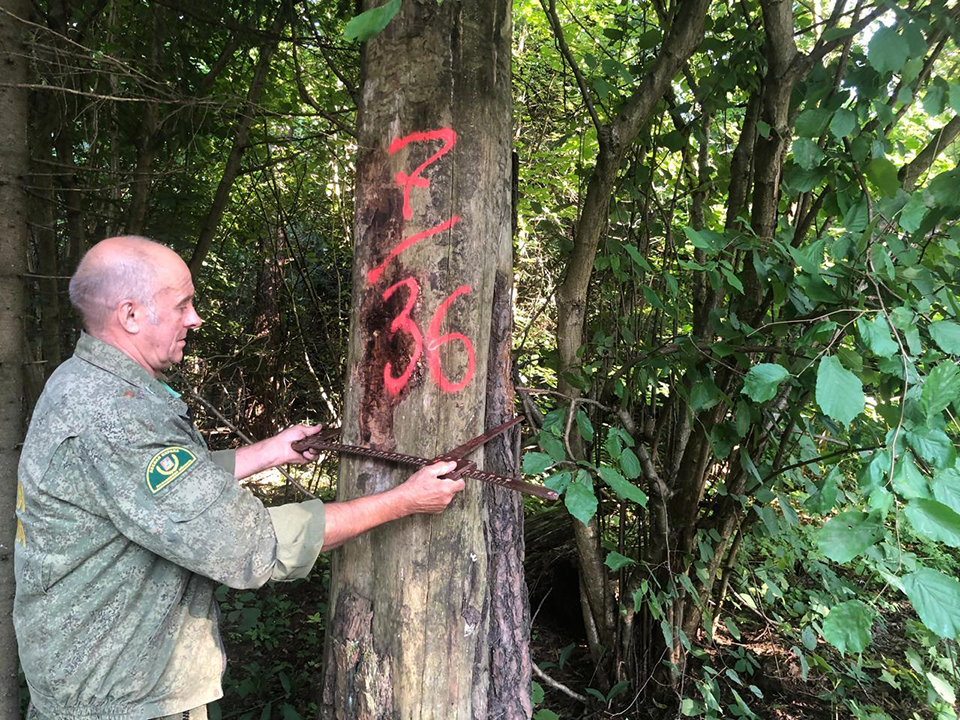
x,y
424,492
274,451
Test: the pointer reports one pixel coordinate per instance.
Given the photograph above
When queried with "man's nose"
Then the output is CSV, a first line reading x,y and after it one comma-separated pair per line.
x,y
193,319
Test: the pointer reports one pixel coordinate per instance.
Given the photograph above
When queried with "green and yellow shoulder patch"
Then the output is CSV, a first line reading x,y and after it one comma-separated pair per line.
x,y
167,465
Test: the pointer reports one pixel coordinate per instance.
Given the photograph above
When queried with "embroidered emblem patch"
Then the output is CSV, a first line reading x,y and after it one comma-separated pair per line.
x,y
167,465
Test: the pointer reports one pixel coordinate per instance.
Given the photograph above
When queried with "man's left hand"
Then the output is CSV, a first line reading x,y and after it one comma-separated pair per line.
x,y
283,445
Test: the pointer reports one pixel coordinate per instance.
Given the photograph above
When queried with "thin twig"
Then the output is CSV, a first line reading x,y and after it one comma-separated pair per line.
x,y
558,685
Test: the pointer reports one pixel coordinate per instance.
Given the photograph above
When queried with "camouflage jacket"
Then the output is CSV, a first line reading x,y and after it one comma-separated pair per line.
x,y
126,523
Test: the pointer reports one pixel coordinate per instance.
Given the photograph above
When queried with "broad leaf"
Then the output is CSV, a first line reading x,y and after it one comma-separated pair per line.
x,y
946,488
848,535
940,388
372,22
621,486
847,626
552,445
535,463
580,500
935,521
812,122
630,464
883,174
807,153
615,560
887,51
844,122
839,391
933,446
946,334
936,598
876,334
908,480
761,383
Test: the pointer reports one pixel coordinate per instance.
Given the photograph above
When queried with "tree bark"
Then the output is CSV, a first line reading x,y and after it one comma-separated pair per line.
x,y
14,166
428,615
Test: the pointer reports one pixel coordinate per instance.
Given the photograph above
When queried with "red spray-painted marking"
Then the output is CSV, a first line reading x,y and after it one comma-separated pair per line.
x,y
403,321
374,275
434,343
405,181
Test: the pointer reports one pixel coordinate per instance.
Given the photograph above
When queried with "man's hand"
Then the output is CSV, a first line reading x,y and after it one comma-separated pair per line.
x,y
427,492
283,445
424,492
274,451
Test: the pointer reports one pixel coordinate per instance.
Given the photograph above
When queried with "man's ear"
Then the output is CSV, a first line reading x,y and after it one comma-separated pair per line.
x,y
129,316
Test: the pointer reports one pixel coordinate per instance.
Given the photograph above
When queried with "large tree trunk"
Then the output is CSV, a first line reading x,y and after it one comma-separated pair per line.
x,y
13,255
427,615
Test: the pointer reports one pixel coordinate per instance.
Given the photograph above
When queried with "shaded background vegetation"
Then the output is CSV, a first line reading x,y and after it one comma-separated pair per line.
x,y
736,262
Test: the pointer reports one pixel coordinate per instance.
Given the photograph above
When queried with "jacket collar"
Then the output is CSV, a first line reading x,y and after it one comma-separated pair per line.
x,y
116,362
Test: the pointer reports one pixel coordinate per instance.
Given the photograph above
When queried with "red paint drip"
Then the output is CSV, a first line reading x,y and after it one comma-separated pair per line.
x,y
403,321
435,341
374,274
407,182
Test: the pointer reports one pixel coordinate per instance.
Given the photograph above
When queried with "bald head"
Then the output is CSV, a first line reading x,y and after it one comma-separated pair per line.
x,y
114,270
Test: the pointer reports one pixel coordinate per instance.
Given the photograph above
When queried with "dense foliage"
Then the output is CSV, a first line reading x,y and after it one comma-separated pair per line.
x,y
736,303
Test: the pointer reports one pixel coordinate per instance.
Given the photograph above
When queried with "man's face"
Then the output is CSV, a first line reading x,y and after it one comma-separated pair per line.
x,y
162,342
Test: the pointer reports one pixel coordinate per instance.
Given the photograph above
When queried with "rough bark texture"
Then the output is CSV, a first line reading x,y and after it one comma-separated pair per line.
x,y
427,615
13,253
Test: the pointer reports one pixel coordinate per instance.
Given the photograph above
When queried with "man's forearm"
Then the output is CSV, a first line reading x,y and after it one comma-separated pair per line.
x,y
251,459
345,520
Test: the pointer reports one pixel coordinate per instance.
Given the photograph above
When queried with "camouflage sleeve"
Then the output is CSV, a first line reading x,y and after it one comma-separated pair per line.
x,y
299,528
162,489
227,459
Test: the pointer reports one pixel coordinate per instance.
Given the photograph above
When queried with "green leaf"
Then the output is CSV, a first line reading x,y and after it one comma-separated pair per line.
x,y
621,486
887,51
630,464
946,488
843,124
876,335
613,445
883,174
907,479
372,22
946,334
847,626
936,598
639,259
912,214
289,712
807,153
535,463
823,500
839,391
932,445
943,688
584,426
934,521
935,99
812,122
552,446
544,714
580,500
732,628
615,560
762,381
848,535
536,693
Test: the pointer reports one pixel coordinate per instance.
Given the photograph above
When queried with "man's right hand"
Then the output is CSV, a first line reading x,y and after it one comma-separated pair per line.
x,y
426,491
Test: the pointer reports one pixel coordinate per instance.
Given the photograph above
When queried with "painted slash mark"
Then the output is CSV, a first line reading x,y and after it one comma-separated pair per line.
x,y
374,275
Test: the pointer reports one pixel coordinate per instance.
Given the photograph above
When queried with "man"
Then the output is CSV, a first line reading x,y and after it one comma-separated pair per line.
x,y
127,522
